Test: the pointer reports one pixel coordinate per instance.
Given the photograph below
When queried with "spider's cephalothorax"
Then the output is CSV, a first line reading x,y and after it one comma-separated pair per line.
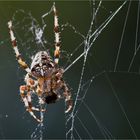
x,y
42,65
44,78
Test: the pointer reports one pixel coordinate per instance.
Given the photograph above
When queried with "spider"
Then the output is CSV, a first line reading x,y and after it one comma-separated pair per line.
x,y
44,77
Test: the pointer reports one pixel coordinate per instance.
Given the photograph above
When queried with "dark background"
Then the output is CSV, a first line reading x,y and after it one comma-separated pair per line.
x,y
113,96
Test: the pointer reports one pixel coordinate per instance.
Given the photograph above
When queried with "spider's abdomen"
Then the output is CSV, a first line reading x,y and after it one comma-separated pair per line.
x,y
42,65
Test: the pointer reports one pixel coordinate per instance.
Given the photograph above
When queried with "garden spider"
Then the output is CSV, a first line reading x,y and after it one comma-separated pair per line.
x,y
44,77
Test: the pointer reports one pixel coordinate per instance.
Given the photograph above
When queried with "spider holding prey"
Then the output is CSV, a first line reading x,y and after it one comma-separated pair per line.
x,y
44,78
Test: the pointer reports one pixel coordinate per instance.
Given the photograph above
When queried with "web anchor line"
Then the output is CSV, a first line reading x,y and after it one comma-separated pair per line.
x,y
90,39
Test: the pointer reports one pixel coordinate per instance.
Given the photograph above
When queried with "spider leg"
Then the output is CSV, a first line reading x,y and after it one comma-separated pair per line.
x,y
57,36
25,92
26,98
32,84
21,62
67,96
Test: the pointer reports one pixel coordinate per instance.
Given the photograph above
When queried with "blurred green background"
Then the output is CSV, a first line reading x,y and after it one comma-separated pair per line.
x,y
113,96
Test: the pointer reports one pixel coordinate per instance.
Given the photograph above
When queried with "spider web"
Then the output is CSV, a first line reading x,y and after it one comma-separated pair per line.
x,y
102,58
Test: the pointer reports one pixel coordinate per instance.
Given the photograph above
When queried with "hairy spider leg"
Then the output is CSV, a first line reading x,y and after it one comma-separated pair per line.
x,y
26,98
67,96
25,92
21,62
57,36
